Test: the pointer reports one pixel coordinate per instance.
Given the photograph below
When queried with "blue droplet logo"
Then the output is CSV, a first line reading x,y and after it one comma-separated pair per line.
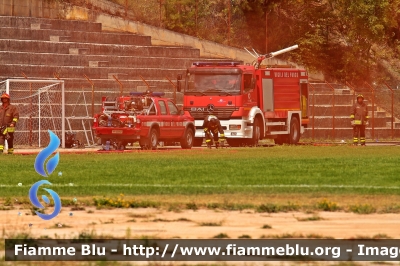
x,y
51,165
35,201
45,153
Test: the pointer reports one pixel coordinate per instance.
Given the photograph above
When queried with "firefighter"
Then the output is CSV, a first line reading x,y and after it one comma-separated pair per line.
x,y
212,126
8,119
359,121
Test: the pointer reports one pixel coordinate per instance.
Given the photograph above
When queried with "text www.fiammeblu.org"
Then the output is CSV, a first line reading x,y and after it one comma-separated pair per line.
x,y
234,250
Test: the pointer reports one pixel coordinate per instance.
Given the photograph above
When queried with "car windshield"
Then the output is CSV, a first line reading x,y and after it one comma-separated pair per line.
x,y
206,84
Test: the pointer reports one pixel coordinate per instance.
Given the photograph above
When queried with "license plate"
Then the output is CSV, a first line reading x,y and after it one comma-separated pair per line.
x,y
116,131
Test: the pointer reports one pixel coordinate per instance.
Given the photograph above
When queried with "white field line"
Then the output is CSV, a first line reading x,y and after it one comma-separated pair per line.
x,y
216,186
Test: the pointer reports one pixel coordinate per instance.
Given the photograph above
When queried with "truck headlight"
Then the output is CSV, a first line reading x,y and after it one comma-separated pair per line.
x,y
235,127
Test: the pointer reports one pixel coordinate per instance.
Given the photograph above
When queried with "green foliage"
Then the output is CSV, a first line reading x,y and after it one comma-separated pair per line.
x,y
327,205
312,218
273,208
221,235
346,40
363,209
120,202
210,223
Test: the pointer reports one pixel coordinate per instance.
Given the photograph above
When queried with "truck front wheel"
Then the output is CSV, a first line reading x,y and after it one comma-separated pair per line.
x,y
256,133
187,140
153,139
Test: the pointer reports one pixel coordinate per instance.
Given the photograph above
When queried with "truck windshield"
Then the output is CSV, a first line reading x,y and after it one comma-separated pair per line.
x,y
211,84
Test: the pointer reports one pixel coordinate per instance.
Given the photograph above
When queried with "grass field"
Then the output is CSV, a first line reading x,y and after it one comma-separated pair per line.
x,y
335,170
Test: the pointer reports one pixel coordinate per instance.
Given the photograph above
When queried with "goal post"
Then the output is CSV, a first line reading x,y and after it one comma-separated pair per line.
x,y
41,105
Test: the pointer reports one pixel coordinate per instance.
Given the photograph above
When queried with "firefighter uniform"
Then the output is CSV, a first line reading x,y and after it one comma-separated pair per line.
x,y
9,116
212,126
359,118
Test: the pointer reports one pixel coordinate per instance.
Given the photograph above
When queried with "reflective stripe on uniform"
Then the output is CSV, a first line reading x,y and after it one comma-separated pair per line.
x,y
15,120
205,129
352,116
1,147
10,150
208,140
357,122
11,129
355,140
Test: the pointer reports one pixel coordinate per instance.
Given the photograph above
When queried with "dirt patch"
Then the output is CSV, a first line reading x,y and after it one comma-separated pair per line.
x,y
199,224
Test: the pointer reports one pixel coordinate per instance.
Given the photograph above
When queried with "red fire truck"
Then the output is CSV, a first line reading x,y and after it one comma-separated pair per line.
x,y
252,102
143,117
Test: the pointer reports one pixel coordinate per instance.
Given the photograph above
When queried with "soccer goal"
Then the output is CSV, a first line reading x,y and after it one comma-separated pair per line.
x,y
41,105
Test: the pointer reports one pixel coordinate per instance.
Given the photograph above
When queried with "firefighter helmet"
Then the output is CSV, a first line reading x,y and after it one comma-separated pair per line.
x,y
213,121
5,96
360,96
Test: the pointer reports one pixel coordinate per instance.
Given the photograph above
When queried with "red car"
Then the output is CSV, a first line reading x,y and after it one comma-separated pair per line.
x,y
143,117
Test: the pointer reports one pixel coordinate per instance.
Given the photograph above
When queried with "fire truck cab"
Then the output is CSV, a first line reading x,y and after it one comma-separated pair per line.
x,y
252,103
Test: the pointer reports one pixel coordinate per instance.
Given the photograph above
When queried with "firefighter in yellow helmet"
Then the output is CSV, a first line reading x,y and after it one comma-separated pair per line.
x,y
212,126
359,116
8,119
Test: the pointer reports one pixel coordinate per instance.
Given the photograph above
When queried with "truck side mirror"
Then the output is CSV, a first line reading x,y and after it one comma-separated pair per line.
x,y
179,83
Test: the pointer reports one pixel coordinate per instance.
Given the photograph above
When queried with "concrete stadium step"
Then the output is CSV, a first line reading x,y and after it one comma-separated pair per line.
x,y
341,110
344,121
73,36
109,85
395,124
347,133
82,110
329,91
97,49
92,72
75,106
7,57
26,22
327,99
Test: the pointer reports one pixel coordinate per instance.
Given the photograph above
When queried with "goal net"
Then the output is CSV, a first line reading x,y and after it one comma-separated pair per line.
x,y
41,108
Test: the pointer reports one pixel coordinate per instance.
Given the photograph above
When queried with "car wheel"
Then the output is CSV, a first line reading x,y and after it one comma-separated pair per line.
x,y
153,139
187,140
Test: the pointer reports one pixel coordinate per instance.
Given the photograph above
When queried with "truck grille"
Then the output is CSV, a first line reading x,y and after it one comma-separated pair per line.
x,y
220,112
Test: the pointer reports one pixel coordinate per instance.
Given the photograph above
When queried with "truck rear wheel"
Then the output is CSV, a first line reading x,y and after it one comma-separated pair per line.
x,y
197,142
294,135
187,140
